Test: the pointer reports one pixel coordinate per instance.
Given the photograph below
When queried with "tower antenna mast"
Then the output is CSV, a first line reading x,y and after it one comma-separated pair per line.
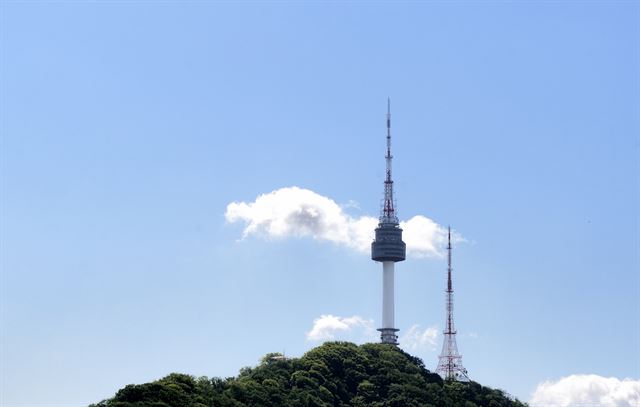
x,y
450,361
388,211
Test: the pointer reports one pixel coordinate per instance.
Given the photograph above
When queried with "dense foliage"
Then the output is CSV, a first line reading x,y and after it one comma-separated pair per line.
x,y
334,374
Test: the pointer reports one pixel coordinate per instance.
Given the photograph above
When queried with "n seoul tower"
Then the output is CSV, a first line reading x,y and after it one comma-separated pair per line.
x,y
388,247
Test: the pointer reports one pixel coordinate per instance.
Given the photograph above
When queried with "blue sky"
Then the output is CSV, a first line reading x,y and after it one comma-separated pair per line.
x,y
128,127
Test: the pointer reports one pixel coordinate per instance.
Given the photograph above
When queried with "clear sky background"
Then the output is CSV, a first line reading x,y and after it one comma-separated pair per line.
x,y
128,127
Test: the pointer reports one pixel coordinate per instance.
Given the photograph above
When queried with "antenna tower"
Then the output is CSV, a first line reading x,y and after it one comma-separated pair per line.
x,y
450,364
388,247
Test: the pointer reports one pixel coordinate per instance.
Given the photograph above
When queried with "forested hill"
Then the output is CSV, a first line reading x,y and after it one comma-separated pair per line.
x,y
334,374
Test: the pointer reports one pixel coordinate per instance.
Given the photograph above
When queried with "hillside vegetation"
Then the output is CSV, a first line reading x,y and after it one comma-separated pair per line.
x,y
334,374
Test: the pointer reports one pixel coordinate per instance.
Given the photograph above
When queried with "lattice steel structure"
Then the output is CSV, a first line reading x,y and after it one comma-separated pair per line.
x,y
388,247
450,363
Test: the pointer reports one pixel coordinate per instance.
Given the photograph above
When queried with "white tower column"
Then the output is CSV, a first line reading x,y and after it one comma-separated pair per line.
x,y
388,294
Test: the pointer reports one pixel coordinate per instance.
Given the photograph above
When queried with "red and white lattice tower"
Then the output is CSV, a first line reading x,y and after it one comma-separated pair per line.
x,y
450,364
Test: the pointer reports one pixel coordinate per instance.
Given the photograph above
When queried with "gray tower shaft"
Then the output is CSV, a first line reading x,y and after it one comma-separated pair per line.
x,y
450,361
388,247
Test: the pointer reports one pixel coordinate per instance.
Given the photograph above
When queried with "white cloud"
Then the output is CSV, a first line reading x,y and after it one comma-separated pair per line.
x,y
328,327
423,237
587,391
417,339
298,212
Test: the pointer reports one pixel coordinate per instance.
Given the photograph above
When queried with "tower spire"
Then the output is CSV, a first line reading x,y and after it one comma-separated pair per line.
x,y
450,363
388,214
449,284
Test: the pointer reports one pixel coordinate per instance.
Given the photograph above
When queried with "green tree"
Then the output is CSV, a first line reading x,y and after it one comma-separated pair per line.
x,y
336,374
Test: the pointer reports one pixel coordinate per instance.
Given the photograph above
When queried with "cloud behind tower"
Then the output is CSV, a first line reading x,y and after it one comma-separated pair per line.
x,y
294,212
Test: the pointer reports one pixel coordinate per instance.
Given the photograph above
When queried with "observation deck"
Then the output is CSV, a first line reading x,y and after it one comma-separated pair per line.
x,y
388,244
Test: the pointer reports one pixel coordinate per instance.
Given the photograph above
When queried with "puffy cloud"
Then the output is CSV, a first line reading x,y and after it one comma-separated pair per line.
x,y
327,327
587,390
417,339
424,237
298,212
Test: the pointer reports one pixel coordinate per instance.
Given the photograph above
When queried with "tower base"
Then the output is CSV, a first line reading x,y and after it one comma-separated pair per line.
x,y
450,368
388,335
